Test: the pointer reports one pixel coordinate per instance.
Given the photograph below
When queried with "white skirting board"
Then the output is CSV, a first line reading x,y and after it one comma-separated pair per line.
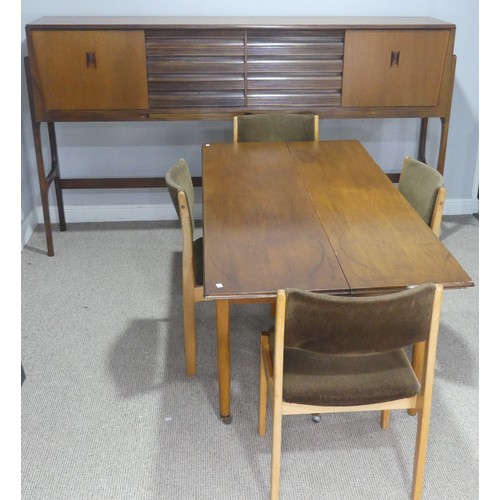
x,y
116,213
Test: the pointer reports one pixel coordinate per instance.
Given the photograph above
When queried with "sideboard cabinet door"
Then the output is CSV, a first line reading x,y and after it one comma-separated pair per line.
x,y
393,67
91,69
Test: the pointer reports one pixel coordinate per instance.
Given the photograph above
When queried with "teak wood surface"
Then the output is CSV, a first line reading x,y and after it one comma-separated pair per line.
x,y
320,216
379,239
390,59
92,69
259,223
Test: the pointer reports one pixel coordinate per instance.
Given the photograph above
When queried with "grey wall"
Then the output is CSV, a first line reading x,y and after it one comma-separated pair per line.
x,y
116,149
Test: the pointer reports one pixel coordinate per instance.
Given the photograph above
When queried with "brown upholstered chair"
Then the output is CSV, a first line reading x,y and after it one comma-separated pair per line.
x,y
341,354
275,127
422,186
180,187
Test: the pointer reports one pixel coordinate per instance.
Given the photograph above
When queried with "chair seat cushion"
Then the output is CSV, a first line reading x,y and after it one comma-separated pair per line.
x,y
347,379
198,261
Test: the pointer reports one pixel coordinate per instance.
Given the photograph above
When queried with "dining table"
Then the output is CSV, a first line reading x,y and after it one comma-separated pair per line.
x,y
321,216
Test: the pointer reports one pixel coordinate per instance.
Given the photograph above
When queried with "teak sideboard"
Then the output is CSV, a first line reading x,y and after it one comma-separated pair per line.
x,y
189,68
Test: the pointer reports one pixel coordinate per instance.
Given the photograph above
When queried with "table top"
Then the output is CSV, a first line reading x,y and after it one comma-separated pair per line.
x,y
320,216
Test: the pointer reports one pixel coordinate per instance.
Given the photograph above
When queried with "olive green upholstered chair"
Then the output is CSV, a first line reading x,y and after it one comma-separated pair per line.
x,y
422,186
274,127
180,187
330,354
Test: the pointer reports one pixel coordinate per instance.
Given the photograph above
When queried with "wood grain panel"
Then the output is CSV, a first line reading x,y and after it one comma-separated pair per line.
x,y
402,68
293,68
267,81
290,99
195,68
194,43
114,79
293,65
380,240
185,99
200,83
194,65
255,240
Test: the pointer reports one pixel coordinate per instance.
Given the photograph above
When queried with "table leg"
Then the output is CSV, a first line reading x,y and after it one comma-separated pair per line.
x,y
223,359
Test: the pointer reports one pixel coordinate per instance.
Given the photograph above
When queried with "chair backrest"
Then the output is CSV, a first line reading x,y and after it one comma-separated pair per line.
x,y
356,325
419,184
178,179
275,127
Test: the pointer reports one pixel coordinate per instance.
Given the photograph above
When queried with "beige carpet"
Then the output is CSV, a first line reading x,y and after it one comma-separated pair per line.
x,y
107,412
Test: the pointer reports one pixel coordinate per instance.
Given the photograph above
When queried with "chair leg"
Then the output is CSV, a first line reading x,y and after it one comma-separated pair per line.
x,y
420,452
276,453
262,396
417,363
189,331
385,416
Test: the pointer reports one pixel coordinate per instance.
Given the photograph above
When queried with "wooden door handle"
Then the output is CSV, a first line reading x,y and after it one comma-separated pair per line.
x,y
91,60
394,58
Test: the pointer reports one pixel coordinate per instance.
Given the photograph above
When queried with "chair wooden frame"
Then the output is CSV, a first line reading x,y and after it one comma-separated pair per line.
x,y
191,292
271,374
435,226
235,128
437,213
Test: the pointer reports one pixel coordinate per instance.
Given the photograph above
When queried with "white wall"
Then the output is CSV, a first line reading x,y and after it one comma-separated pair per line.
x,y
148,149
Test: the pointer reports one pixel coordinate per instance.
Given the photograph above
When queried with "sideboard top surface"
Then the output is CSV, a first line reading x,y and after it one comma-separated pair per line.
x,y
144,22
